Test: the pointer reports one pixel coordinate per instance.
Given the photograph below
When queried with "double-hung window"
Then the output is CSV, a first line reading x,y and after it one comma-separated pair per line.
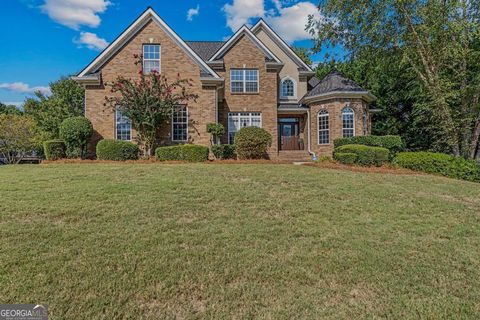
x,y
239,120
348,122
151,58
323,127
244,80
180,124
123,126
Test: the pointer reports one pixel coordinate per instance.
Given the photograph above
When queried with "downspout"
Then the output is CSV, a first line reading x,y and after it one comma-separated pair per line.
x,y
314,156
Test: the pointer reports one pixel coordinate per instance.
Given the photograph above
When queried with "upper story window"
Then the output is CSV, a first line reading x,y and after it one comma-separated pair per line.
x,y
180,124
123,126
151,58
323,127
287,88
348,122
244,80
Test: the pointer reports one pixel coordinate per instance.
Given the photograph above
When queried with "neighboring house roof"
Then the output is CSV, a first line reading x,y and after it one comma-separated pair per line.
x,y
336,83
205,49
282,44
244,31
147,16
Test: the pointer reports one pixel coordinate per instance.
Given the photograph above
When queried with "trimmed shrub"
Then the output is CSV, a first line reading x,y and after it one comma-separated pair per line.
x,y
324,159
366,156
346,157
117,150
54,149
439,163
224,151
393,143
76,132
252,143
183,152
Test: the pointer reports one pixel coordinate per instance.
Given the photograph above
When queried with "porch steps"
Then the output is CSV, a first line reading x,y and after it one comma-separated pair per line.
x,y
294,156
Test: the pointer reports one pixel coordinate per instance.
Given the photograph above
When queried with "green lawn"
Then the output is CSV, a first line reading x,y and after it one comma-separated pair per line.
x,y
156,241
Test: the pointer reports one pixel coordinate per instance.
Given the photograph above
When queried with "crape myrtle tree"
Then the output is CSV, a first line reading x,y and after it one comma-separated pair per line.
x,y
148,102
430,50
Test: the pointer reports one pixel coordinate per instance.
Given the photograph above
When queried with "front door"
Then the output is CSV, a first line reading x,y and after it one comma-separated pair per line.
x,y
288,134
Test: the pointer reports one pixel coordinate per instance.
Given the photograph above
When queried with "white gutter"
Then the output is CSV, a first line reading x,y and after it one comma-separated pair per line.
x,y
314,156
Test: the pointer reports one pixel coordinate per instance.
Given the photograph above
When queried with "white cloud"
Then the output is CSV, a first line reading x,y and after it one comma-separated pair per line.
x,y
24,88
288,21
91,41
291,21
193,12
75,13
241,12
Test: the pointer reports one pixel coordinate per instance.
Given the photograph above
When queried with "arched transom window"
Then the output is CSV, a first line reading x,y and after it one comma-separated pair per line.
x,y
323,127
348,121
287,89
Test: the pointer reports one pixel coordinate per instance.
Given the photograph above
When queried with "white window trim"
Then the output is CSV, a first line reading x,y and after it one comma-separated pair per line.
x,y
294,88
159,57
320,115
245,81
116,131
353,113
174,140
237,114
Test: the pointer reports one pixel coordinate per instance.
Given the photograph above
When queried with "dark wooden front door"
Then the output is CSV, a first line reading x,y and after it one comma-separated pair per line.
x,y
288,134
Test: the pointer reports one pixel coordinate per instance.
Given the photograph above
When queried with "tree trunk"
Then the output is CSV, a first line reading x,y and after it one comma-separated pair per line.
x,y
474,147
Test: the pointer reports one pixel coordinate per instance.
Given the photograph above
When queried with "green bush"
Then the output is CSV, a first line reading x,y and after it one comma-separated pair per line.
x,y
439,163
217,129
117,150
324,159
224,151
346,157
183,152
54,149
366,156
252,143
76,132
393,143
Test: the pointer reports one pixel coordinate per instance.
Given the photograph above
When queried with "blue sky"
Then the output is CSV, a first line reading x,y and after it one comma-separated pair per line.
x,y
43,40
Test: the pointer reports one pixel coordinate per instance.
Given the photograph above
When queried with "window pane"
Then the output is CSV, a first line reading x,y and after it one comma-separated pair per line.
x,y
236,75
237,86
251,87
287,88
180,124
323,127
251,75
348,122
123,126
151,58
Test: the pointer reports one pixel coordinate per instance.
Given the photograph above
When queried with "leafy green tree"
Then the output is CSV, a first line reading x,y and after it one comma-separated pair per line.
x,y
66,100
18,135
9,109
432,51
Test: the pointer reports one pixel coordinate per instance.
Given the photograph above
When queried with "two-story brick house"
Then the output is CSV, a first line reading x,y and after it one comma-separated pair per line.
x,y
253,79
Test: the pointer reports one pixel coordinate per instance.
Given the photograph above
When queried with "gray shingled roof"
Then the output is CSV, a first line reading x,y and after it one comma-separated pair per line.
x,y
335,81
205,49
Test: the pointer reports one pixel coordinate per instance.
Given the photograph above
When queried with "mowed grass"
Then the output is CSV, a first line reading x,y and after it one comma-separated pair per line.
x,y
155,241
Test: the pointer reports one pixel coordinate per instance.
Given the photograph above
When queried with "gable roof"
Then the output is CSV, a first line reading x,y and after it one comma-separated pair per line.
x,y
205,49
147,16
241,32
261,24
335,82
